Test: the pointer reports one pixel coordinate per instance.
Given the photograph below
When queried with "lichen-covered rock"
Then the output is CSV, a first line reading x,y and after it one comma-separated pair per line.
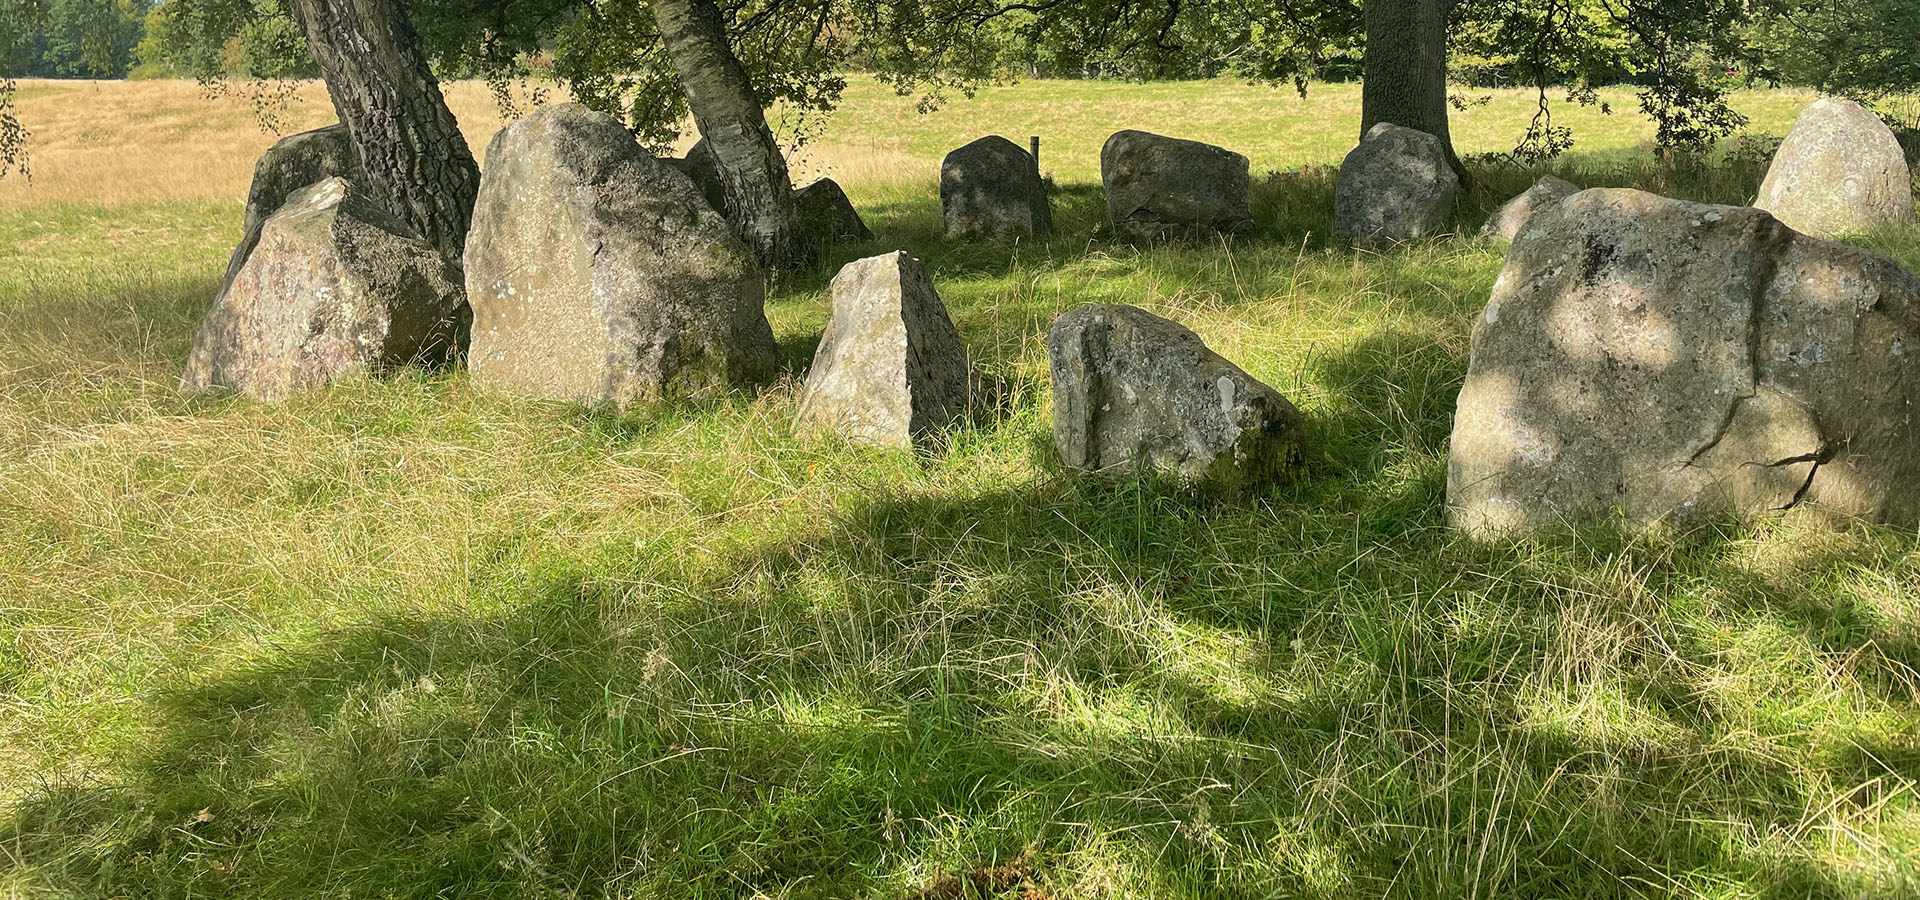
x,y
1161,188
891,370
334,287
1395,186
992,187
1839,170
1513,215
1134,392
822,215
598,275
291,164
1664,361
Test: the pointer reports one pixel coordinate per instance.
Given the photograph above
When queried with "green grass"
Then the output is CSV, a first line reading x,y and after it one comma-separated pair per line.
x,y
406,639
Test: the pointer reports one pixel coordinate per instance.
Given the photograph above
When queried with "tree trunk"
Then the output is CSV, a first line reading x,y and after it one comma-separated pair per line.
x,y
752,171
1405,78
415,158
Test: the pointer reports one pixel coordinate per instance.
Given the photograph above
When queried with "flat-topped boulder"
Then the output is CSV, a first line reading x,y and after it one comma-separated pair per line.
x,y
599,275
333,287
1133,393
293,163
891,370
1514,214
1653,361
1395,186
1840,169
993,187
1162,188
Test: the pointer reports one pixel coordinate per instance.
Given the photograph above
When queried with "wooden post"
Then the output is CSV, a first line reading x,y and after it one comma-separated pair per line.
x,y
1034,142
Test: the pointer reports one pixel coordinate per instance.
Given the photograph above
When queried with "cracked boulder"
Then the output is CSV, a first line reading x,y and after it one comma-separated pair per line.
x,y
1650,361
891,370
993,187
1133,392
599,275
1395,186
1514,214
1162,188
1840,169
333,287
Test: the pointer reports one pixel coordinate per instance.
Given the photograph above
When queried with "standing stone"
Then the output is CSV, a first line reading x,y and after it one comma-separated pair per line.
x,y
1514,214
1133,391
1665,361
1839,170
334,286
891,370
1161,188
291,164
1396,186
992,187
704,168
598,275
823,215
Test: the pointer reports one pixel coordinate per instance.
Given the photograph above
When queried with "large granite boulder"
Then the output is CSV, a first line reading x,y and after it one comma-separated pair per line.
x,y
1839,170
1161,188
1395,186
823,215
1135,392
993,187
291,164
1513,215
1665,361
891,370
334,286
599,275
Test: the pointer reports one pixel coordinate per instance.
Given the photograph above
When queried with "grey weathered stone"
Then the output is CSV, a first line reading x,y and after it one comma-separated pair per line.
x,y
1839,170
1667,361
598,275
823,215
992,187
1160,187
1513,215
335,286
1133,392
1395,186
291,164
891,370
704,168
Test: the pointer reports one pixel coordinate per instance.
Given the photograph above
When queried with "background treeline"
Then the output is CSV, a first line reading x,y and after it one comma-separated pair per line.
x,y
1852,47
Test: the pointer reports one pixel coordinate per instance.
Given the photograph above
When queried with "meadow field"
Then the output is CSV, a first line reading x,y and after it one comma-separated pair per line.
x,y
408,639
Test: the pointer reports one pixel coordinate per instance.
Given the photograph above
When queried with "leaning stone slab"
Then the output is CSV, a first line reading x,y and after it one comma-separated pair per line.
x,y
1839,170
823,215
334,287
1395,186
1161,188
291,164
598,275
891,370
992,187
1653,361
1134,392
1514,214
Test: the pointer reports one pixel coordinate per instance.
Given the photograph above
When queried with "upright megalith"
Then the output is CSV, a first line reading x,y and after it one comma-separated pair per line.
x,y
1654,360
891,370
1839,170
334,286
1397,185
1161,188
704,168
599,275
823,215
1514,214
1134,392
291,164
993,187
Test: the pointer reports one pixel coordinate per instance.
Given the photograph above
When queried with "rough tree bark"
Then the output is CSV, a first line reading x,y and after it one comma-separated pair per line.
x,y
752,170
1405,71
385,93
